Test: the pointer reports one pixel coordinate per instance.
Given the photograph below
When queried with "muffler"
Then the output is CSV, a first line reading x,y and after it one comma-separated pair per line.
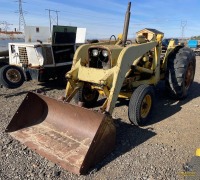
x,y
73,137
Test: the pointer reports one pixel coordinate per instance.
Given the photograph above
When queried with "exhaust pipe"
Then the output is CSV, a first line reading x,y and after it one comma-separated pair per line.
x,y
126,25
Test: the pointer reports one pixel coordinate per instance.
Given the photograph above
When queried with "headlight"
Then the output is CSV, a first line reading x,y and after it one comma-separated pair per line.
x,y
105,53
95,52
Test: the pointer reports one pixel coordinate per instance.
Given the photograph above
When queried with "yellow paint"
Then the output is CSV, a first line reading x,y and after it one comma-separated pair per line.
x,y
198,152
120,36
146,106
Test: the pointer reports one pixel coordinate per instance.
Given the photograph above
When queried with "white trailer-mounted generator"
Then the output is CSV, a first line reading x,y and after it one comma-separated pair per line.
x,y
42,61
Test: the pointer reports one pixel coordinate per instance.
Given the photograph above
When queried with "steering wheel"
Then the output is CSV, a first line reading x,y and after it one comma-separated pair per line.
x,y
113,36
128,42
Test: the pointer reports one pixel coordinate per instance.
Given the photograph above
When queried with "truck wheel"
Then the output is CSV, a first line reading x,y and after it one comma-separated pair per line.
x,y
180,73
88,96
140,104
11,76
3,64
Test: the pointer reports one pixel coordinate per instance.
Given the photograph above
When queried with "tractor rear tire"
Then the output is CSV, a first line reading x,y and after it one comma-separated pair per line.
x,y
140,105
180,73
87,96
11,76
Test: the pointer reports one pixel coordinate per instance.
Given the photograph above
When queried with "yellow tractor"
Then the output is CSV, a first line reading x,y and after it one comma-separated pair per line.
x,y
75,137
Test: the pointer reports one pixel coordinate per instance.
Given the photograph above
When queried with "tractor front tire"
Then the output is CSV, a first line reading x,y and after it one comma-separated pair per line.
x,y
140,105
11,76
180,73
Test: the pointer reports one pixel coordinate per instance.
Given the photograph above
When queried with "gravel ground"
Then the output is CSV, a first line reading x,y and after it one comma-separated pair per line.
x,y
157,151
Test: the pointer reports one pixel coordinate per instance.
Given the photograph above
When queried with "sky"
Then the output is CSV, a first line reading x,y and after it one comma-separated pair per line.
x,y
103,18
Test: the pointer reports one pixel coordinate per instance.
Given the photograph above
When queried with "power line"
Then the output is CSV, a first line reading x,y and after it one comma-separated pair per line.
x,y
5,25
53,19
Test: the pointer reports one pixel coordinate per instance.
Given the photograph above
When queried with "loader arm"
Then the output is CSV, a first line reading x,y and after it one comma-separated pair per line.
x,y
123,65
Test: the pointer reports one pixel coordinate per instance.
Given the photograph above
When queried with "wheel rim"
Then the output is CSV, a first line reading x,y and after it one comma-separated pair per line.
x,y
146,106
13,75
189,75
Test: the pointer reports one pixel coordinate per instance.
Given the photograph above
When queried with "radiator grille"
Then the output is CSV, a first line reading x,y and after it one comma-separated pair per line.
x,y
23,55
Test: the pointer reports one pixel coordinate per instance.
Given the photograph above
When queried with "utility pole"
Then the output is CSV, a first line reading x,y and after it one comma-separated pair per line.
x,y
183,25
52,19
22,23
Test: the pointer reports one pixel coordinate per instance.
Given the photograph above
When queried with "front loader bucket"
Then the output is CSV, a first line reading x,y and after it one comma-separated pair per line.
x,y
73,137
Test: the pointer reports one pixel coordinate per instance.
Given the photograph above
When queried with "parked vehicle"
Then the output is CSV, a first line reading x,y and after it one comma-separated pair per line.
x,y
42,61
195,46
